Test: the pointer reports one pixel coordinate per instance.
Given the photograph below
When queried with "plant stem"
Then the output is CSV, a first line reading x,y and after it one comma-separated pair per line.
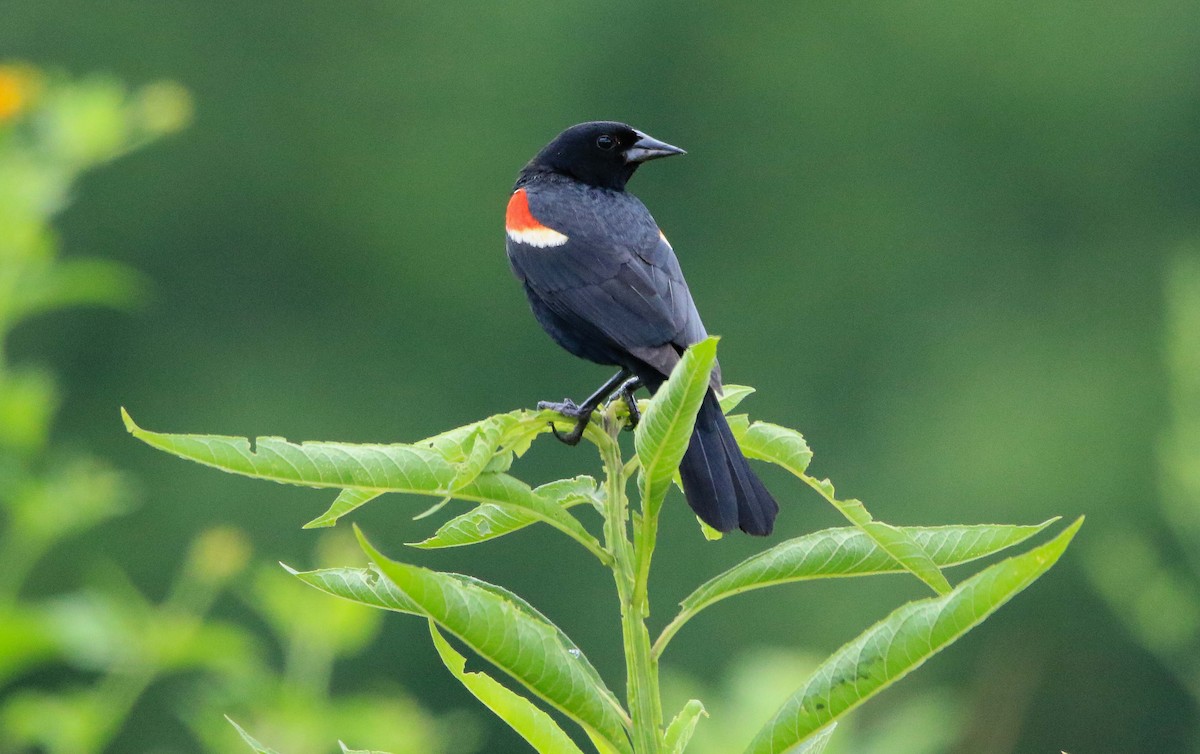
x,y
640,666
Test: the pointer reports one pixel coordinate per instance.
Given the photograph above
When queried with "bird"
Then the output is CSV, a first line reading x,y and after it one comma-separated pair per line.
x,y
603,281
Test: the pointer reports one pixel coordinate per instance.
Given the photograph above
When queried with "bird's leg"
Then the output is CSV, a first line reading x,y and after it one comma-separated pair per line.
x,y
625,393
583,412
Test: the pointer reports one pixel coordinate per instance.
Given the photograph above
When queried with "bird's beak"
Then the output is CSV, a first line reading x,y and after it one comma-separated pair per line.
x,y
649,148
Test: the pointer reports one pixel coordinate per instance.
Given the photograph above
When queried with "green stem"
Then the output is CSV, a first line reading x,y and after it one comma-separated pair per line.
x,y
668,633
641,667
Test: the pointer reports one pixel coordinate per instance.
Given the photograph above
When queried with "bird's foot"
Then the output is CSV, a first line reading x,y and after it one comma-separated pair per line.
x,y
625,393
569,409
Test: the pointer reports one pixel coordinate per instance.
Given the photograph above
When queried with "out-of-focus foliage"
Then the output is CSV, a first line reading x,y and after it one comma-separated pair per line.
x,y
1152,587
76,662
51,131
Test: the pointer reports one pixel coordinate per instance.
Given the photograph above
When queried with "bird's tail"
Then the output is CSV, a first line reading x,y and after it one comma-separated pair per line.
x,y
717,480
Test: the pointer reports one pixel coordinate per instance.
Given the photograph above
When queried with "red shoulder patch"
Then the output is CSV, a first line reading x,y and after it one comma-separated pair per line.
x,y
524,228
518,217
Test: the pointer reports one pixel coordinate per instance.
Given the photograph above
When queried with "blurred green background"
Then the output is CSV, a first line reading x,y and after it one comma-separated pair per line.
x,y
935,236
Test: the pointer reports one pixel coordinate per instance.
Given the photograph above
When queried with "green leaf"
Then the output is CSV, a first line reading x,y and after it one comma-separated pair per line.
x,y
367,468
491,521
258,748
816,743
346,501
453,443
786,448
517,497
379,468
347,750
892,540
484,443
518,429
732,395
900,643
534,725
679,732
775,444
665,430
846,552
509,633
368,587
363,585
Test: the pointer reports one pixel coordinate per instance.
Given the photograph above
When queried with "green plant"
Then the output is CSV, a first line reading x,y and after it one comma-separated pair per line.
x,y
471,463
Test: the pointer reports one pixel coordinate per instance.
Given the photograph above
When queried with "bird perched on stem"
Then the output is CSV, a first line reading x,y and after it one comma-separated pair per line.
x,y
604,282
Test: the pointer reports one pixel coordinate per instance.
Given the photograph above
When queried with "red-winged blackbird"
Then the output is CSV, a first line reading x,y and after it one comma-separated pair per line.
x,y
604,283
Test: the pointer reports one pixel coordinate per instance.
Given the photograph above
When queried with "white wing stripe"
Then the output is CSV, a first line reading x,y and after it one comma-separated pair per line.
x,y
540,237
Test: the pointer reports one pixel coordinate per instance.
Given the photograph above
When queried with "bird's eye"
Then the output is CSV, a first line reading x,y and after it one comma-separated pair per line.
x,y
606,142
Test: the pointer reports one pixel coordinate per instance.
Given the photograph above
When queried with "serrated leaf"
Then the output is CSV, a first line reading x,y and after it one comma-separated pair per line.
x,y
786,448
530,722
572,491
895,542
663,434
483,444
518,429
450,444
487,522
899,644
775,444
505,630
376,469
380,468
517,497
679,732
363,585
258,748
846,552
733,395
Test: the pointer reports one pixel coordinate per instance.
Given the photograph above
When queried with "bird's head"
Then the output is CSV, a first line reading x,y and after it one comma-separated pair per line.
x,y
600,153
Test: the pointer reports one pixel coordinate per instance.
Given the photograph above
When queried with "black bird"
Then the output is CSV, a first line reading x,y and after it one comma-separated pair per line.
x,y
605,284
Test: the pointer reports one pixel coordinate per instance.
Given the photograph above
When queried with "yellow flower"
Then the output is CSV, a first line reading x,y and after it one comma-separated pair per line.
x,y
18,87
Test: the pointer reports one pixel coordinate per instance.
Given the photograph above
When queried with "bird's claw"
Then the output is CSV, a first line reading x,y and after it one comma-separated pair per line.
x,y
625,393
569,409
573,437
635,414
